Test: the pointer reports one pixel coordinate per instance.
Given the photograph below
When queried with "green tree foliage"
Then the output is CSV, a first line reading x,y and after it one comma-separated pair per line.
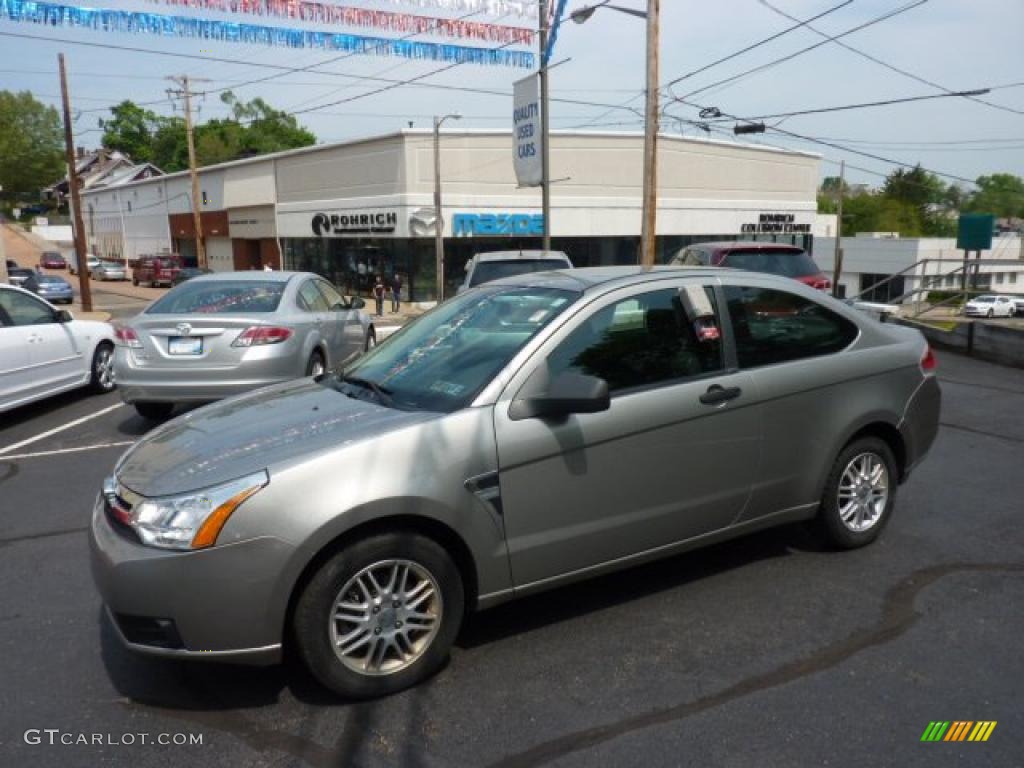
x,y
254,128
1001,194
31,146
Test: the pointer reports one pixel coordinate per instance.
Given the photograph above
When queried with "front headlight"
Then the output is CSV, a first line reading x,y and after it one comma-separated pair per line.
x,y
194,520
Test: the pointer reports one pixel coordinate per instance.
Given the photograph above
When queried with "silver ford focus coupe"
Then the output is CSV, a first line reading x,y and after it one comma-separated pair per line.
x,y
525,434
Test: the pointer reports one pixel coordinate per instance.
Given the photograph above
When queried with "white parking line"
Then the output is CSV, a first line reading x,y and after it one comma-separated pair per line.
x,y
65,450
55,430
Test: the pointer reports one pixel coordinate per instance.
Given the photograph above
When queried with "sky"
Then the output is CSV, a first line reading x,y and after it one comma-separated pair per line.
x,y
954,44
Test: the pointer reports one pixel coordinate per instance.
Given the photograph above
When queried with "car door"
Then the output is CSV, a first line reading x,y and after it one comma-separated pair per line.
x,y
341,329
791,344
314,312
54,355
672,458
16,377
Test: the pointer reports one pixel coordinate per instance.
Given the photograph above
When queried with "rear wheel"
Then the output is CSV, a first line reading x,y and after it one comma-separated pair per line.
x,y
102,379
154,411
380,615
989,314
316,365
371,339
859,494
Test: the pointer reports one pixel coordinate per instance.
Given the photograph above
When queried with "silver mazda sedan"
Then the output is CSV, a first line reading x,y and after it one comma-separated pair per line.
x,y
226,333
525,434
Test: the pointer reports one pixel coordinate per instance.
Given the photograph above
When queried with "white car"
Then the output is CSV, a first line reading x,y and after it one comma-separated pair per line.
x,y
44,350
990,306
484,267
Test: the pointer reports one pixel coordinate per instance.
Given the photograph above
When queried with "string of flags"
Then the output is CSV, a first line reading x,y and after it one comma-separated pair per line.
x,y
107,20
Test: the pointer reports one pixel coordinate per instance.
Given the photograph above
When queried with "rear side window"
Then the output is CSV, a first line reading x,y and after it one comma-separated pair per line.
x,y
785,263
772,326
217,297
310,299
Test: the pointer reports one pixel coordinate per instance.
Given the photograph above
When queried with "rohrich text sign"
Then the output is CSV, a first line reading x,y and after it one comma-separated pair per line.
x,y
526,132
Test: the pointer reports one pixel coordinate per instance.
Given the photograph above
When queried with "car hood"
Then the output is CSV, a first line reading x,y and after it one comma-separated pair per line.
x,y
245,434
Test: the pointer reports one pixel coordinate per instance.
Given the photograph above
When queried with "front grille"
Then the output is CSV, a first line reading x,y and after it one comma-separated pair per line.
x,y
144,630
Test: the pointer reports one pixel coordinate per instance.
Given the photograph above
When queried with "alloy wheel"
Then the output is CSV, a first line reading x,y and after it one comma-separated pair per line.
x,y
385,617
103,369
863,492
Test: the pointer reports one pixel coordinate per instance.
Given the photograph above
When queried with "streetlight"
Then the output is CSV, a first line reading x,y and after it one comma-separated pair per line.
x,y
648,222
438,221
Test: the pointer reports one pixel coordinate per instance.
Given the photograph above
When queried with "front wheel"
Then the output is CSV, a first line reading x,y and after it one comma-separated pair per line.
x,y
154,411
102,378
989,314
859,494
380,615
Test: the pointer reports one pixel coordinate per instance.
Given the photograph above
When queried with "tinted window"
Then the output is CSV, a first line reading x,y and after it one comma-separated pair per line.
x,y
310,299
785,263
773,326
331,296
644,340
486,271
19,309
219,297
50,279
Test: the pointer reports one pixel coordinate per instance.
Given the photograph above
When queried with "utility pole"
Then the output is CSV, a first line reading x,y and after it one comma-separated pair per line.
x,y
545,137
81,259
184,90
649,215
838,263
438,225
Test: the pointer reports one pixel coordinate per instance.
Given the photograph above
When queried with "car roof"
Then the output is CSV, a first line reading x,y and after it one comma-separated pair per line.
x,y
520,254
746,245
584,279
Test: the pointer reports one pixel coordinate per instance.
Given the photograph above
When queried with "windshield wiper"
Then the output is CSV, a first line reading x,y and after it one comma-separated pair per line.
x,y
383,394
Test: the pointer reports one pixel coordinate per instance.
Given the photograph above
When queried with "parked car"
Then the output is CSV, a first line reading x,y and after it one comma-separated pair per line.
x,y
537,430
18,275
990,306
53,288
484,267
11,264
91,262
44,350
773,258
1018,304
52,260
156,270
231,332
110,270
187,273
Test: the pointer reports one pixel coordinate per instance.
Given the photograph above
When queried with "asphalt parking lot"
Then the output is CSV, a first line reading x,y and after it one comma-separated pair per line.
x,y
766,651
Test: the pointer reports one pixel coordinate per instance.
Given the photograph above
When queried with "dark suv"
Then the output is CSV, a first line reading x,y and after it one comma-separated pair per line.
x,y
155,270
774,258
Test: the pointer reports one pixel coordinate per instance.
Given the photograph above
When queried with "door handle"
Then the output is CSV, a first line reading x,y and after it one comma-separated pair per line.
x,y
718,394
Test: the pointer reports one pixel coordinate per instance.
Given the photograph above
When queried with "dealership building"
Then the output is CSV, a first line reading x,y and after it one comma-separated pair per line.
x,y
355,209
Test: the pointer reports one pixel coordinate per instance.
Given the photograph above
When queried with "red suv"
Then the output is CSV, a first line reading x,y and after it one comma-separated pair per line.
x,y
775,258
156,269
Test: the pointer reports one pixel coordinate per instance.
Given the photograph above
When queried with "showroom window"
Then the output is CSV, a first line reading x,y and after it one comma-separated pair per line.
x,y
647,339
773,326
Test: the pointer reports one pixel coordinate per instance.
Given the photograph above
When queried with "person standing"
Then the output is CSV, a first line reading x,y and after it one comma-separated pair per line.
x,y
396,292
378,294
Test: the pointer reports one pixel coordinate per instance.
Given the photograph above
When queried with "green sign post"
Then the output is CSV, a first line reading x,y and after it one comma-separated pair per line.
x,y
974,233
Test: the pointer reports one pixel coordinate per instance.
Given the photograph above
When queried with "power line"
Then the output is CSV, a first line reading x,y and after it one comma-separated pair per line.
x,y
789,57
892,67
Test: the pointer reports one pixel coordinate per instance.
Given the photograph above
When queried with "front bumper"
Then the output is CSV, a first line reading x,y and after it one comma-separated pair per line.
x,y
214,604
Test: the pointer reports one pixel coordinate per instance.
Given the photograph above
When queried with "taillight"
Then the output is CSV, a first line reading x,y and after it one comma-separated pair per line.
x,y
928,361
259,335
126,337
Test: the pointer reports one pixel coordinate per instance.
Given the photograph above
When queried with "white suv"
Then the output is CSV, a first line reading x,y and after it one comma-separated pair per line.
x,y
484,267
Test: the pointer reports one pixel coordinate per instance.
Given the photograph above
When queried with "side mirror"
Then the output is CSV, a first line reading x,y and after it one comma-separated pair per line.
x,y
357,303
63,316
567,393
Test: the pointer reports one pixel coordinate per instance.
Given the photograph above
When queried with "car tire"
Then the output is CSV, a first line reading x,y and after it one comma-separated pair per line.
x,y
101,379
377,564
858,518
371,339
154,411
316,366
989,314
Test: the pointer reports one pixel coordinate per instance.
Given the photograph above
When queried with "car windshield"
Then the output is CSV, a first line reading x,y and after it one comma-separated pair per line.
x,y
444,359
785,263
220,297
486,271
110,265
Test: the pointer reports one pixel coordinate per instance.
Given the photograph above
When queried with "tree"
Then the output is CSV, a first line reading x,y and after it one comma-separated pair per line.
x,y
31,146
1001,194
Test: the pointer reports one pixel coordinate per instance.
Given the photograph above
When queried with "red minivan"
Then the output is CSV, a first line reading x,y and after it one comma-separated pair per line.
x,y
774,258
154,270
